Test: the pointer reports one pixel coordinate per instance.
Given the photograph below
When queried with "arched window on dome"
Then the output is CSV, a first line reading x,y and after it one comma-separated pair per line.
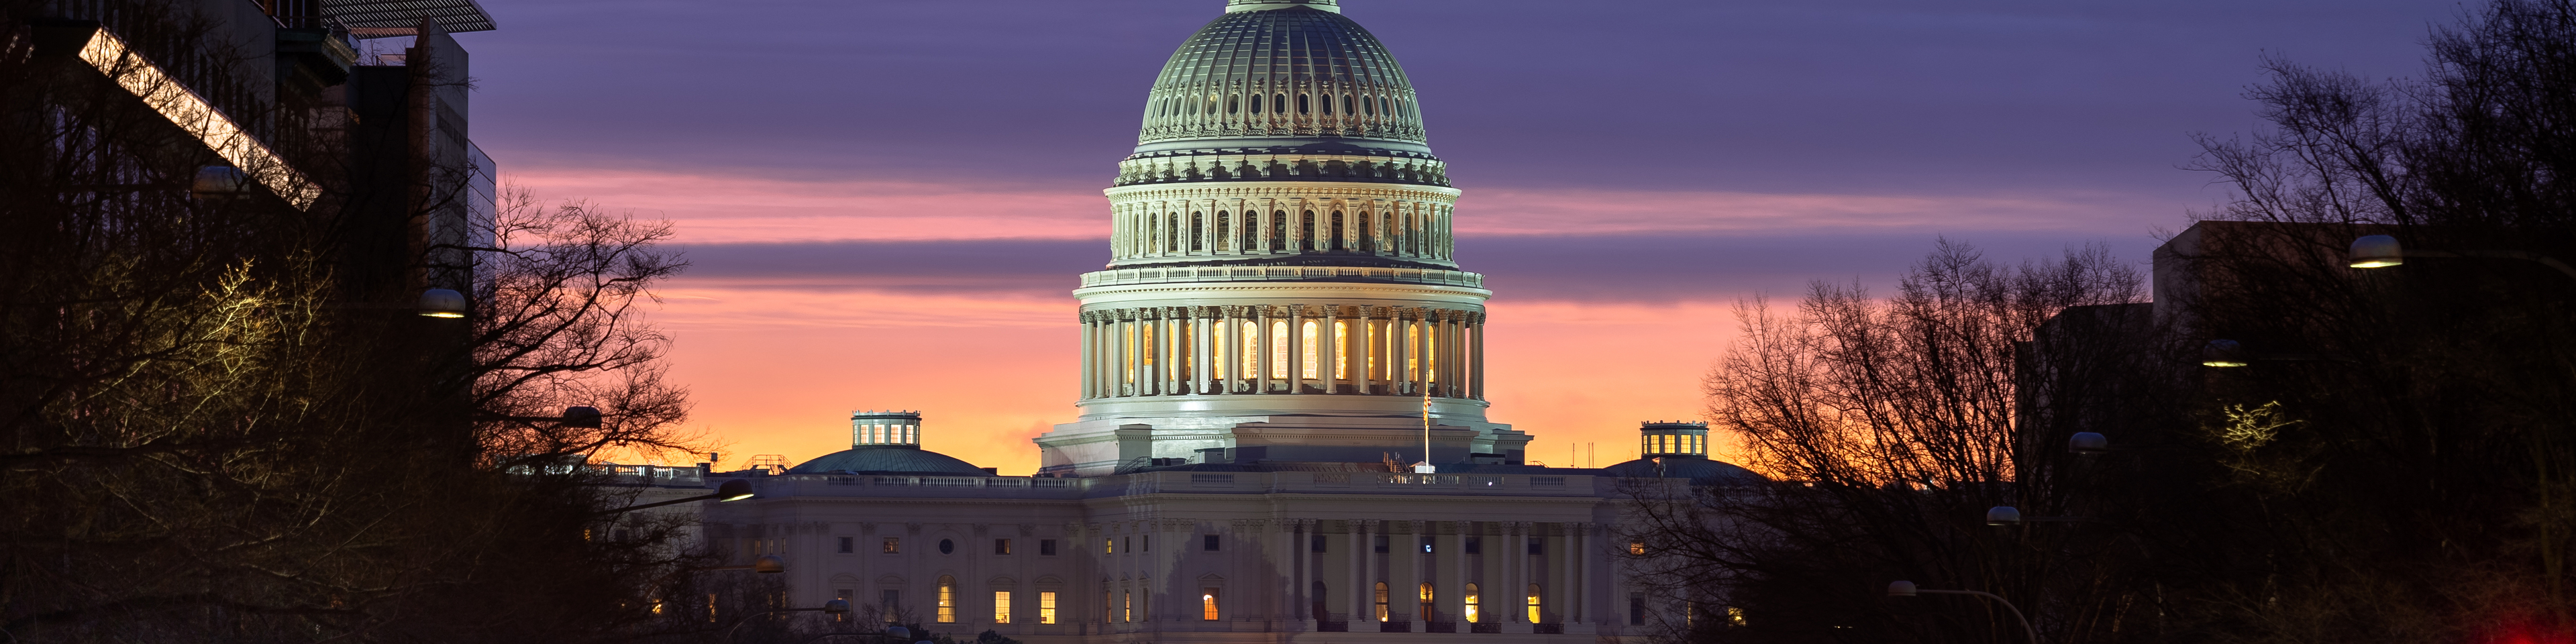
x,y
1346,104
1367,107
1279,102
1302,107
1224,231
1278,231
1171,233
1328,104
1233,105
1211,105
1306,232
1256,104
1198,222
1338,242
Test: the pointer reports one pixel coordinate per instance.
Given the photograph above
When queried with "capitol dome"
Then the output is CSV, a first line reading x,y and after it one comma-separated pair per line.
x,y
889,459
887,442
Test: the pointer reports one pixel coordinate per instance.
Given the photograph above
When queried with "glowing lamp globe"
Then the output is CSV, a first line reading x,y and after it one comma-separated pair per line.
x,y
2377,251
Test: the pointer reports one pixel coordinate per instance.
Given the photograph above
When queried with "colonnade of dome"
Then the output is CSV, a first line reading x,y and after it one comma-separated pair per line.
x,y
1234,220
1283,349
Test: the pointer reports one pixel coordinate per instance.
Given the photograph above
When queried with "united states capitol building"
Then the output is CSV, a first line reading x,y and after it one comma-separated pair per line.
x,y
1282,433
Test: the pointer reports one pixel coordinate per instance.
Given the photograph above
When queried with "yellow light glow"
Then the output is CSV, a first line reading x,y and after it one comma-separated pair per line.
x,y
1046,607
1001,607
1308,341
2221,363
441,314
193,114
1470,598
2378,263
1207,604
1534,605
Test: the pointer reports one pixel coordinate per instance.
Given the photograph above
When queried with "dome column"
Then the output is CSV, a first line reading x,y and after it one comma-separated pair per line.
x,y
1296,348
1476,378
1328,350
1199,350
1361,338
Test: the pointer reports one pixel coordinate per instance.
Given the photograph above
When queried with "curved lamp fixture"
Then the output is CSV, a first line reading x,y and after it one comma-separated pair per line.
x,y
2003,515
442,303
2222,353
2087,444
2376,251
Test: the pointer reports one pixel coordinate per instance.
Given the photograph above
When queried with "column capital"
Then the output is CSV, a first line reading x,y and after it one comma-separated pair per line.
x,y
1369,525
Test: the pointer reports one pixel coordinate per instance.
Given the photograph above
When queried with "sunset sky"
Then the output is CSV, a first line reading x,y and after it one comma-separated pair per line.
x,y
886,202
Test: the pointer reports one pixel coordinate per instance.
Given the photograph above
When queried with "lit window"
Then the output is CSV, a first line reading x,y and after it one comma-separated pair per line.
x,y
1427,601
893,545
1108,545
1472,603
1534,606
1381,601
947,600
1127,606
1207,604
1001,607
1734,616
1001,546
1046,607
1636,547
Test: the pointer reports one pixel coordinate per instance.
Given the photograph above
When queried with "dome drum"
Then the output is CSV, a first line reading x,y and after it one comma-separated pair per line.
x,y
1330,350
1388,168
1199,222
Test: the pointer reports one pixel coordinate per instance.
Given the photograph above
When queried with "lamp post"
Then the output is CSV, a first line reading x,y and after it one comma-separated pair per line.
x,y
1907,589
834,607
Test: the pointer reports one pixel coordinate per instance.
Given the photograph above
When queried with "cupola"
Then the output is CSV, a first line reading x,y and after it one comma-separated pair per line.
x,y
1664,438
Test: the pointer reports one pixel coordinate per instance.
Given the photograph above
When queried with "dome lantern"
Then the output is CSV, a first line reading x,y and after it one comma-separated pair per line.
x,y
1233,6
885,428
1672,438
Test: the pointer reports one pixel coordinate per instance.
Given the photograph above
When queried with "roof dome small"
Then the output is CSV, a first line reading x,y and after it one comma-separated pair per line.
x,y
889,459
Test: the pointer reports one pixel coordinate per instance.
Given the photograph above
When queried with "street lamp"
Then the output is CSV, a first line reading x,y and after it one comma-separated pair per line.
x,y
1907,589
731,490
442,303
2223,353
2381,251
2088,444
2003,515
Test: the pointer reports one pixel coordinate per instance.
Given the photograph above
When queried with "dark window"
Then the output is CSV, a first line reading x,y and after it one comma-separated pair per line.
x,y
1001,546
1378,544
1256,104
1426,544
1337,232
1198,222
1145,543
1306,232
1346,103
1233,104
1279,102
848,545
891,599
1207,542
1046,547
1537,547
947,547
1301,104
1636,609
1473,545
1279,230
1223,224
1315,543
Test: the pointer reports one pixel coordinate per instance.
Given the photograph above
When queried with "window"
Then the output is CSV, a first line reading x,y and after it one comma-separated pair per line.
x,y
1001,607
947,608
947,547
1301,104
1108,545
1224,231
1001,546
1306,232
1381,601
1378,544
893,545
847,596
1317,597
1208,542
1108,609
1636,609
1127,606
849,545
890,602
1046,607
1207,604
1636,547
1198,224
1279,102
1315,543
1473,545
1337,232
1256,104
1145,543
1471,601
1279,230
1046,547
1534,606
1426,545
711,608
1233,104
1427,597
1537,546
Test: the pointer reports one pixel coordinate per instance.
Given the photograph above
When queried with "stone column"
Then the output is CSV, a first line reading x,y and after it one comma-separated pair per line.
x,y
1292,555
1476,344
1297,348
1201,362
1517,549
1452,571
1360,577
1329,350
1411,592
1361,350
1084,383
1120,347
1454,337
1261,354
1399,351
1581,565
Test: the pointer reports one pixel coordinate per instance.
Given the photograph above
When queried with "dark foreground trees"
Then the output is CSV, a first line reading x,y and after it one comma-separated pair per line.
x,y
2394,462
210,431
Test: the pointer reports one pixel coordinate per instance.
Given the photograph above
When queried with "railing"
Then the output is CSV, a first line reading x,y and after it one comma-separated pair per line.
x,y
1485,627
1267,273
1548,629
1394,627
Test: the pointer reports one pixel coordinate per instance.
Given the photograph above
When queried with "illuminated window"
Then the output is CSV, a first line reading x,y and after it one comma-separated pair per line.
x,y
1636,547
1001,546
847,596
892,603
1108,609
1412,359
1279,349
1534,605
1341,347
1473,603
1734,616
1001,607
1427,600
947,608
711,608
1381,602
1127,606
1207,604
893,545
1046,607
1312,357
1251,348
